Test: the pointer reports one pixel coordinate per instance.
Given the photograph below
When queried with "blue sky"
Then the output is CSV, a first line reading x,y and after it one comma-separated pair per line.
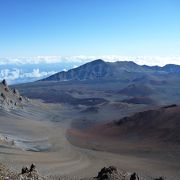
x,y
41,37
89,27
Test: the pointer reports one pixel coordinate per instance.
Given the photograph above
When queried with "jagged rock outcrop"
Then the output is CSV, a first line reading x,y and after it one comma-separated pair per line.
x,y
26,174
30,173
112,173
16,92
10,98
4,82
134,176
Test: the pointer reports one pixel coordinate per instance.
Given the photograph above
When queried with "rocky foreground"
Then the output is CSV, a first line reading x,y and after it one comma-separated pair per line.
x,y
25,174
31,173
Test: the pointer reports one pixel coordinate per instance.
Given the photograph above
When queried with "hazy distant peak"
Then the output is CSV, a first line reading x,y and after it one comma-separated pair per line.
x,y
120,70
127,62
95,62
98,61
172,68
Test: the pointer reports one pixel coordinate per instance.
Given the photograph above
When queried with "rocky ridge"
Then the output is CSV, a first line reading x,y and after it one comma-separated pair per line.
x,y
120,70
10,98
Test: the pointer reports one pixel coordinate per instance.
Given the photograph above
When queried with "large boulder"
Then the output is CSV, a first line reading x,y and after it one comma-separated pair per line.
x,y
16,92
4,82
111,173
134,176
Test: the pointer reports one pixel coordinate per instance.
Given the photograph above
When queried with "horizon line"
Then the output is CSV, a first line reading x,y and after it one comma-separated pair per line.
x,y
82,59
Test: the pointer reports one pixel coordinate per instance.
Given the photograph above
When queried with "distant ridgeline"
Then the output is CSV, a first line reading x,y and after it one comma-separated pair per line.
x,y
10,98
120,70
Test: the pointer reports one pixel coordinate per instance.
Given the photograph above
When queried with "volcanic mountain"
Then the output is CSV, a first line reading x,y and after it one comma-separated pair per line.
x,y
100,69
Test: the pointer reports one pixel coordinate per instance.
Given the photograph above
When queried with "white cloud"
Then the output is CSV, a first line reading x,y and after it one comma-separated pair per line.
x,y
30,60
37,74
148,60
30,70
16,74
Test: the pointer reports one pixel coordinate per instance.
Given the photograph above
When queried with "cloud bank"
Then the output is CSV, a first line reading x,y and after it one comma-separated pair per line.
x,y
148,60
27,69
18,75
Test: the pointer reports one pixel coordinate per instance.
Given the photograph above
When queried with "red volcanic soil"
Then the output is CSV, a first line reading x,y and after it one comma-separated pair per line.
x,y
153,130
161,125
